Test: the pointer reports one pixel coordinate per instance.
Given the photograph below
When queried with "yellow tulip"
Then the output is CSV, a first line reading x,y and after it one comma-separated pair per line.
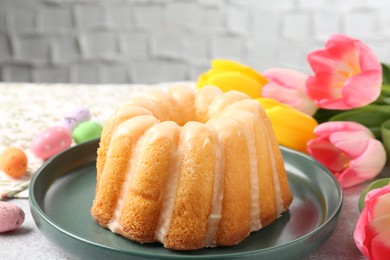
x,y
229,75
292,127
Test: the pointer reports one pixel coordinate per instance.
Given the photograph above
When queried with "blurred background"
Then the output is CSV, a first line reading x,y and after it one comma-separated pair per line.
x,y
149,41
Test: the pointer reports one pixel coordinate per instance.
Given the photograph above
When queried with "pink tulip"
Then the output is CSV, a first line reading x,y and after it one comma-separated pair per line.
x,y
346,74
372,232
349,150
288,87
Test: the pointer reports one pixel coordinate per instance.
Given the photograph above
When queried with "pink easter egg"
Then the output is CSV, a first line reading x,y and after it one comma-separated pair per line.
x,y
50,142
11,216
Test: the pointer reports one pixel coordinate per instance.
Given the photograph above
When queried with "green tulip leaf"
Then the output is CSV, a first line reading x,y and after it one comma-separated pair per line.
x,y
323,115
384,97
385,133
382,100
386,100
385,91
374,185
376,130
385,74
371,116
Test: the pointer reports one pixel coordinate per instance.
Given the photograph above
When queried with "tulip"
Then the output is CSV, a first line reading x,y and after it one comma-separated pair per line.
x,y
379,183
372,230
229,75
292,128
349,150
346,74
288,86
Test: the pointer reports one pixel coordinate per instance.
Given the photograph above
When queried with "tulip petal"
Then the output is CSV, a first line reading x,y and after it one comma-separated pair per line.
x,y
292,128
372,229
382,208
377,184
359,234
349,177
205,77
351,144
380,245
371,162
345,51
288,87
228,65
378,231
371,199
382,222
376,193
229,75
322,61
291,97
320,87
325,129
362,89
367,59
268,103
293,133
288,78
232,80
327,154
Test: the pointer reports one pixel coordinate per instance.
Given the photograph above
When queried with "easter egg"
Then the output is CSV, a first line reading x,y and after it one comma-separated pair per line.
x,y
11,216
74,117
13,161
87,131
50,142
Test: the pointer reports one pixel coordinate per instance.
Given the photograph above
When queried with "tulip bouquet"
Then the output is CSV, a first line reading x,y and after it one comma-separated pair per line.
x,y
340,115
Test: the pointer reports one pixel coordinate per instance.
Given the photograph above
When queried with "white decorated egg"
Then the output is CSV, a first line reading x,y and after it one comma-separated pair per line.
x,y
11,216
50,142
74,117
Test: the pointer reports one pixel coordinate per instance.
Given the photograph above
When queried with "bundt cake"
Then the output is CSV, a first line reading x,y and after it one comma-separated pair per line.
x,y
189,170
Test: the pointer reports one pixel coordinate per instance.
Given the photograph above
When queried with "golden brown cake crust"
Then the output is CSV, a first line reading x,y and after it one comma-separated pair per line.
x,y
234,225
189,170
143,201
193,202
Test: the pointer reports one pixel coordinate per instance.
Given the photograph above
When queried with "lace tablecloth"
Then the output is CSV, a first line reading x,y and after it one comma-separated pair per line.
x,y
27,109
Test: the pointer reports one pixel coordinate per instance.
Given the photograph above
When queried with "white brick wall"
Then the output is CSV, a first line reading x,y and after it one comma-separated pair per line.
x,y
5,48
56,19
65,50
32,49
326,22
119,16
88,16
148,17
237,20
147,41
134,45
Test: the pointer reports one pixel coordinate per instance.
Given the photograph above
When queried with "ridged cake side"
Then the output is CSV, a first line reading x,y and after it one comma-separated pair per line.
x,y
189,170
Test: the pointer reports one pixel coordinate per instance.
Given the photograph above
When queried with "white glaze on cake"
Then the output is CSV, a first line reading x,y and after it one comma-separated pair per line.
x,y
169,196
278,193
254,178
217,110
215,215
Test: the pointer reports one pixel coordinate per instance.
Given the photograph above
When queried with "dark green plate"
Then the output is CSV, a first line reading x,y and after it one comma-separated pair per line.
x,y
62,190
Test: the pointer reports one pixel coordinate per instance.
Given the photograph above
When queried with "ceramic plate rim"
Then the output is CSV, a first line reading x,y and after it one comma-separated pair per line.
x,y
35,205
